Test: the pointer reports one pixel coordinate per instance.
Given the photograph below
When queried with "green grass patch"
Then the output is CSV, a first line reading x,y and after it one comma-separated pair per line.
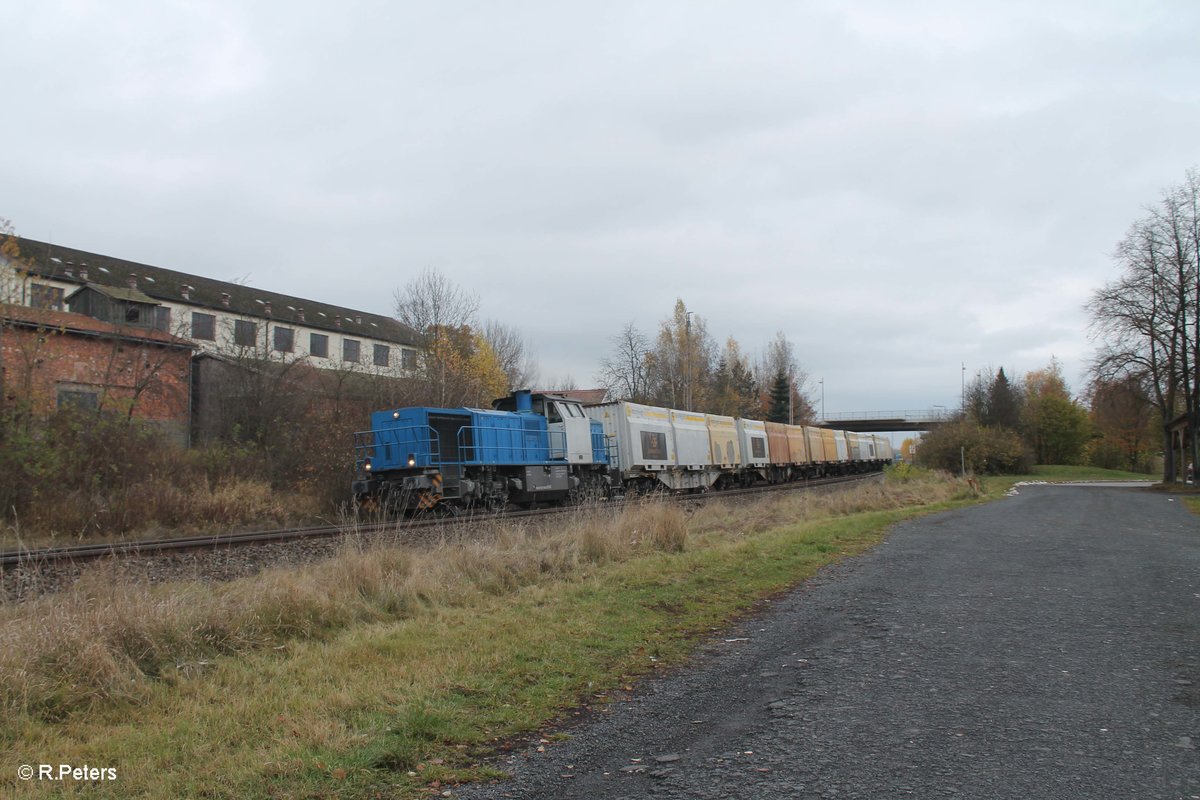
x,y
402,688
1062,472
1058,473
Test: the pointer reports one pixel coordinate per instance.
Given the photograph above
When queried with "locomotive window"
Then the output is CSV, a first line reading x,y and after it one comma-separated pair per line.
x,y
654,446
758,447
552,414
573,410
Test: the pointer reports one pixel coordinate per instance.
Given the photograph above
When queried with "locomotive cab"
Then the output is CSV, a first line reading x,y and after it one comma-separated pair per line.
x,y
570,429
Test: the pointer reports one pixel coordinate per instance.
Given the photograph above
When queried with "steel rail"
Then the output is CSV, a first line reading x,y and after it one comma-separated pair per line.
x,y
156,547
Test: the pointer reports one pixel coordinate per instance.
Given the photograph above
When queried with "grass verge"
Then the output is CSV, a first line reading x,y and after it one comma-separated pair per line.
x,y
390,671
1057,473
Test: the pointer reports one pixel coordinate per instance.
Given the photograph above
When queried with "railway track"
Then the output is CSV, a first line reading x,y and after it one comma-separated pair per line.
x,y
75,554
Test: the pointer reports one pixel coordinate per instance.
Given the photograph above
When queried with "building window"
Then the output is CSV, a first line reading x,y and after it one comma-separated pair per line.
x,y
204,326
318,345
48,297
284,338
408,359
350,348
245,333
78,399
162,318
382,355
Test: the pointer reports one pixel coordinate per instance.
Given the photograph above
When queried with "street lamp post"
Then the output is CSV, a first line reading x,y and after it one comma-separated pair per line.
x,y
822,382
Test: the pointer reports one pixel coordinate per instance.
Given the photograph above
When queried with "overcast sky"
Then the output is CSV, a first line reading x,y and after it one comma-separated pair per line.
x,y
901,188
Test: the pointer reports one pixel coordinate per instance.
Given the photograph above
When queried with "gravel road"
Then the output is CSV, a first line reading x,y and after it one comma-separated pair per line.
x,y
1043,646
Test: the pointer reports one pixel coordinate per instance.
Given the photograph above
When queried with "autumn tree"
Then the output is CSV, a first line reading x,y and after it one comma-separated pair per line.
x,y
1055,426
1123,417
734,391
681,362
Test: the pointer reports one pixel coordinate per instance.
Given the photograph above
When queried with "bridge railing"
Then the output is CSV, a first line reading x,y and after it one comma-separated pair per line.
x,y
911,415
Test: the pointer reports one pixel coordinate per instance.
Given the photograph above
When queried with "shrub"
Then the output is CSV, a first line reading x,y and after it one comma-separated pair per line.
x,y
985,450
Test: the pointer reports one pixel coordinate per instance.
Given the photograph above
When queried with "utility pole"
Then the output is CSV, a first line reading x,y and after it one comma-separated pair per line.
x,y
791,404
822,382
962,397
688,393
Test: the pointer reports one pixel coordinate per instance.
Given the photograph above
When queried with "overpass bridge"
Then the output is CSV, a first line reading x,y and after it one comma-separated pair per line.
x,y
880,421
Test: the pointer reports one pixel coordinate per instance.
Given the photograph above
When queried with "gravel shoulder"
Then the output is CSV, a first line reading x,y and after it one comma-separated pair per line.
x,y
1046,645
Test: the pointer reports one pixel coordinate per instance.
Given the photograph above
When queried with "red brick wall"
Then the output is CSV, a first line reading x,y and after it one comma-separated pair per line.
x,y
39,363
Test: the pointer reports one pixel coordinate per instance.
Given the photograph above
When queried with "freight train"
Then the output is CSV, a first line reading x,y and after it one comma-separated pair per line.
x,y
536,449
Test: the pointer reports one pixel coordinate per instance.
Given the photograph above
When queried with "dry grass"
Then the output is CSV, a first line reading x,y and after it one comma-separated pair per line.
x,y
153,506
104,640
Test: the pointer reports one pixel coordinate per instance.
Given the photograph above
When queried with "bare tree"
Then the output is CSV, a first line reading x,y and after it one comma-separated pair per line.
x,y
564,384
1148,321
625,371
436,309
514,354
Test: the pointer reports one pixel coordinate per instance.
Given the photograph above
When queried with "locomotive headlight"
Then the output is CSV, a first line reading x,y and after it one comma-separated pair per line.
x,y
367,465
395,415
412,460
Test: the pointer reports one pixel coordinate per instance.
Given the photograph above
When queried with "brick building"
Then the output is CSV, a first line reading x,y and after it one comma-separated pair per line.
x,y
54,359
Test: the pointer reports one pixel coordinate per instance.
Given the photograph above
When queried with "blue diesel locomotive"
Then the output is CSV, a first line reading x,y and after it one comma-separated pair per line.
x,y
529,449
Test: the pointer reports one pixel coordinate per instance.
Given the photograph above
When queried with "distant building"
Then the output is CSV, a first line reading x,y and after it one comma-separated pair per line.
x,y
179,350
216,316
